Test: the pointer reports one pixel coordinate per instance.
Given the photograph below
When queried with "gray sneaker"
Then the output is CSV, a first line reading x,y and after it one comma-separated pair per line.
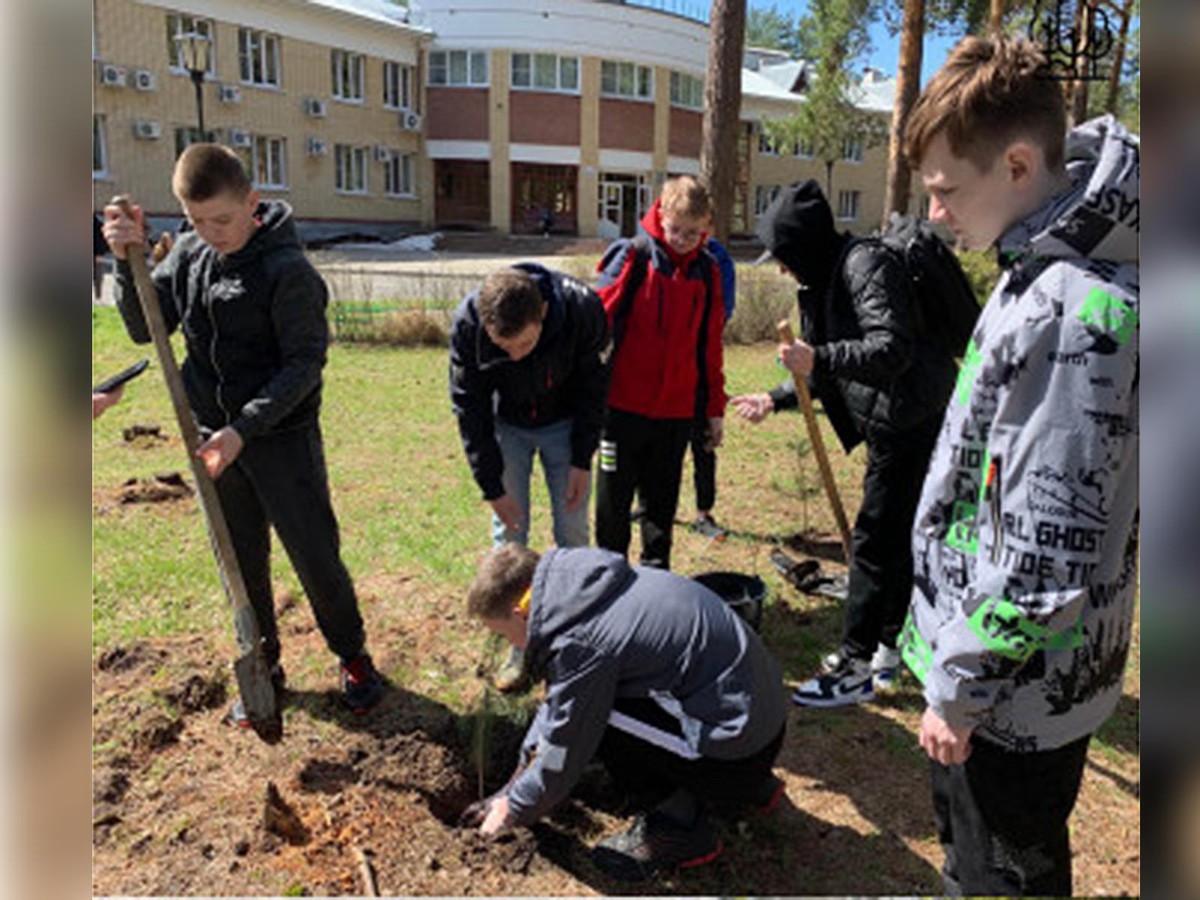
x,y
885,668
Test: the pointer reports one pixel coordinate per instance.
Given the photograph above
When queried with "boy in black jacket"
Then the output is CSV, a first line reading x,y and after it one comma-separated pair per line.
x,y
878,382
252,311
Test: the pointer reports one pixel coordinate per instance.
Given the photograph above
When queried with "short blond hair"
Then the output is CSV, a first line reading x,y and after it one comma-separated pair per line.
x,y
504,575
685,196
990,92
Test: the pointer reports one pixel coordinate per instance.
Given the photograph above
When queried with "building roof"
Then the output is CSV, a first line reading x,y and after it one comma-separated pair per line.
x,y
384,11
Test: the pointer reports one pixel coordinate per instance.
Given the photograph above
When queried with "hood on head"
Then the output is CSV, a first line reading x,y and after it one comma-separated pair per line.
x,y
798,231
1098,217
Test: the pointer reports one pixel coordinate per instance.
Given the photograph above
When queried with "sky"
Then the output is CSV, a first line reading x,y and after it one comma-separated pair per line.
x,y
886,49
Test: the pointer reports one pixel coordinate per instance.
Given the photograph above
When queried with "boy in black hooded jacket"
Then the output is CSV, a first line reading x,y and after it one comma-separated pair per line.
x,y
880,383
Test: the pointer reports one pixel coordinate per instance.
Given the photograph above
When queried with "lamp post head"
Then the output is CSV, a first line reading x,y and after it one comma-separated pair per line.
x,y
195,48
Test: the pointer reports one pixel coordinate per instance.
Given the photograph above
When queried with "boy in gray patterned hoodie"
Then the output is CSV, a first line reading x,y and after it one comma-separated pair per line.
x,y
1025,539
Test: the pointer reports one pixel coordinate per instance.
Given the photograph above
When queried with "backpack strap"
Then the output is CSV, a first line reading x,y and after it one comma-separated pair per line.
x,y
641,263
706,266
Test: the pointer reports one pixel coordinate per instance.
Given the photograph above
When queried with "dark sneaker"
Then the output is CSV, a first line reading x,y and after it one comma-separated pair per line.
x,y
512,677
848,684
706,526
236,716
362,687
655,843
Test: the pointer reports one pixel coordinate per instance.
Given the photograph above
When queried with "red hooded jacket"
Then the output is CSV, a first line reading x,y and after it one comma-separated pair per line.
x,y
654,370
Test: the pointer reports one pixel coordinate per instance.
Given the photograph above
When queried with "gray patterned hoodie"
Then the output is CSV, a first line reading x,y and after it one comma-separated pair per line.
x,y
1025,540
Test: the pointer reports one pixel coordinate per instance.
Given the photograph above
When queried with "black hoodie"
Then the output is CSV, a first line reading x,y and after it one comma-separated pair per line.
x,y
871,369
253,321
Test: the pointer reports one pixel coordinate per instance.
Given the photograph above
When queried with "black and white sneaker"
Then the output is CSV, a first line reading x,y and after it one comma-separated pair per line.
x,y
849,683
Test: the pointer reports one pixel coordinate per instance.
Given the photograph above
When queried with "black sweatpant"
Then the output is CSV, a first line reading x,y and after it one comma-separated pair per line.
x,y
280,480
704,467
642,456
881,563
643,757
1002,820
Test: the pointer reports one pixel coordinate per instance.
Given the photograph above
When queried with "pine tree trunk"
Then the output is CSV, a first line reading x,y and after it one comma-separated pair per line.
x,y
908,81
722,109
996,17
1114,78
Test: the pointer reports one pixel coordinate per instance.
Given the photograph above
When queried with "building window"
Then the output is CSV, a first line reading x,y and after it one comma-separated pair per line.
x,y
545,72
766,145
623,79
398,175
458,68
269,164
187,135
852,149
763,195
258,57
397,86
848,204
804,149
687,91
178,25
351,169
348,71
99,147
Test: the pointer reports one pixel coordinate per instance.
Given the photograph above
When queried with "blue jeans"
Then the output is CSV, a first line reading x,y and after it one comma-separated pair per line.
x,y
552,444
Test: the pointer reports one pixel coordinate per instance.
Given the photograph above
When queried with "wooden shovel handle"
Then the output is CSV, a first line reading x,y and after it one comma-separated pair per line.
x,y
787,336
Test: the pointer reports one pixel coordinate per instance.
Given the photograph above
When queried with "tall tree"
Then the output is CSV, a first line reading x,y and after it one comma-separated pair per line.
x,y
836,34
767,27
722,108
908,81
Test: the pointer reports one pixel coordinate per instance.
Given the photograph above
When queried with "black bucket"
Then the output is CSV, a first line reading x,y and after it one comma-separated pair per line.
x,y
745,594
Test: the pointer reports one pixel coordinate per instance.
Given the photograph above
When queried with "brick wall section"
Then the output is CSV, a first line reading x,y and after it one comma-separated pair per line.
x,y
686,131
626,125
544,118
457,114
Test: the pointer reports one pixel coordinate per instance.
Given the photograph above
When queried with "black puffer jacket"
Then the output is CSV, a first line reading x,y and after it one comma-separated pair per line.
x,y
872,370
254,323
566,376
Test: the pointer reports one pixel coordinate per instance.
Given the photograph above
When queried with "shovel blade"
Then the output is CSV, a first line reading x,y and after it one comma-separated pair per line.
x,y
258,696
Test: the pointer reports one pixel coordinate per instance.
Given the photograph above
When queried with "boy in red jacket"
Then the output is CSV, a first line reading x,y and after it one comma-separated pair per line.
x,y
662,293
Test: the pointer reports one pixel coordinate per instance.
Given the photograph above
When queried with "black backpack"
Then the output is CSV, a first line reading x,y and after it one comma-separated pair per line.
x,y
946,308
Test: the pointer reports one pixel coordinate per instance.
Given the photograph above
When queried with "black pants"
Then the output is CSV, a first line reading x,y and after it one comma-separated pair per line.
x,y
728,786
1002,819
642,456
280,479
881,564
704,468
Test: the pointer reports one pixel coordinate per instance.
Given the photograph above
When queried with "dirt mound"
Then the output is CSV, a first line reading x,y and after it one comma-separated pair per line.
x,y
144,437
164,487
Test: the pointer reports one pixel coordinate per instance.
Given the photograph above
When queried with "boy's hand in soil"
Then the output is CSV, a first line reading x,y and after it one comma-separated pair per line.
x,y
220,450
497,817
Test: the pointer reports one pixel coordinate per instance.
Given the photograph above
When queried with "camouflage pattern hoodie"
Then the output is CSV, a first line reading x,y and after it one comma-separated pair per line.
x,y
1025,540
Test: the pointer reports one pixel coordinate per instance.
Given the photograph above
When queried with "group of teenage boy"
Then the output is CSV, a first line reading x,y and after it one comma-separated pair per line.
x,y
994,550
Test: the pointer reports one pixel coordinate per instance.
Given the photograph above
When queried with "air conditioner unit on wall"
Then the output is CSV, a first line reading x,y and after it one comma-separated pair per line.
x,y
112,76
240,137
409,120
143,80
147,130
316,147
230,93
382,154
318,109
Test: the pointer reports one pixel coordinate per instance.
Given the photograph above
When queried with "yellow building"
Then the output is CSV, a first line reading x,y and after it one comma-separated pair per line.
x,y
370,117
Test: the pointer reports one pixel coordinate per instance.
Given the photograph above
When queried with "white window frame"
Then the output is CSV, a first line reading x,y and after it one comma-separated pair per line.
x,y
348,76
848,205
805,150
262,48
99,146
350,160
524,72
399,175
627,80
852,149
766,145
471,64
186,135
687,91
262,151
181,23
398,84
763,195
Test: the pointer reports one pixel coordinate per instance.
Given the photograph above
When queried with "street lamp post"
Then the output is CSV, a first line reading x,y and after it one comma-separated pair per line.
x,y
195,48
